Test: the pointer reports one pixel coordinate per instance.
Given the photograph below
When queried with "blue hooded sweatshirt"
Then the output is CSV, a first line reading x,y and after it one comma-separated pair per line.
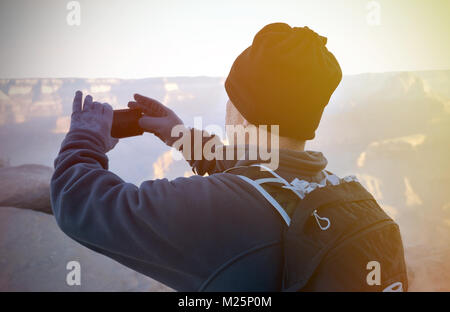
x,y
202,233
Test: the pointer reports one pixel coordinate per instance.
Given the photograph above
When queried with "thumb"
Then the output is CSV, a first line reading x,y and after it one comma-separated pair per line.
x,y
152,124
161,126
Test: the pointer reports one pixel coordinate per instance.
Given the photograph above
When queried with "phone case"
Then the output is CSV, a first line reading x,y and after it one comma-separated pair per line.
x,y
126,123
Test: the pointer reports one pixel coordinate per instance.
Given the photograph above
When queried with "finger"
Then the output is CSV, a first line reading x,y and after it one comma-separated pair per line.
x,y
151,106
87,103
144,108
108,110
97,107
141,107
134,105
153,110
77,100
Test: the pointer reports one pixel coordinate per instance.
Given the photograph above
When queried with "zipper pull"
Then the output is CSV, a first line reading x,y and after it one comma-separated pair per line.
x,y
319,218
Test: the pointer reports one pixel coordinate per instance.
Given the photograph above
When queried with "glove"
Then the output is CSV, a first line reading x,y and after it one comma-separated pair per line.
x,y
95,118
158,119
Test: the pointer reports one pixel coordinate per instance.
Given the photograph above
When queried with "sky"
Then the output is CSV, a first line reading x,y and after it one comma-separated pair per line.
x,y
137,39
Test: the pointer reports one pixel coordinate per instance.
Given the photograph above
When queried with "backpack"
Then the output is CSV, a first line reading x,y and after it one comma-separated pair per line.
x,y
337,237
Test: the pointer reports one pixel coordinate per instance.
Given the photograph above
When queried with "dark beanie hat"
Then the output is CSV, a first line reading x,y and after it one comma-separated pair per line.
x,y
286,78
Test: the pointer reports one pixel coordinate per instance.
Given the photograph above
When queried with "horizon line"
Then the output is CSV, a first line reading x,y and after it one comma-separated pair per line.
x,y
214,77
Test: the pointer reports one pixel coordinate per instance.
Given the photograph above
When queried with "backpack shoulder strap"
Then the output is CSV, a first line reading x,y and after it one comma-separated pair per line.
x,y
268,197
260,177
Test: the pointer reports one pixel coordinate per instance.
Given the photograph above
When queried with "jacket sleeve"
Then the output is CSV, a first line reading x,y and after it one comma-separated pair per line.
x,y
202,166
163,229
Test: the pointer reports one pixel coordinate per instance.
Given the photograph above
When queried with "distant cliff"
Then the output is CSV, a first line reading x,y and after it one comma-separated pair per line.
x,y
26,186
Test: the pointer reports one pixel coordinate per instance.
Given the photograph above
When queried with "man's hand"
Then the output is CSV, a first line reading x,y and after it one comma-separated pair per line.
x,y
158,119
94,117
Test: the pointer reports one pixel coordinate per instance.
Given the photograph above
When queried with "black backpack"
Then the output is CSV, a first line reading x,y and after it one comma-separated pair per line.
x,y
337,237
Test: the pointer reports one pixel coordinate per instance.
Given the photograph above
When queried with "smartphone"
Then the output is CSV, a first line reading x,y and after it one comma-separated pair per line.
x,y
126,123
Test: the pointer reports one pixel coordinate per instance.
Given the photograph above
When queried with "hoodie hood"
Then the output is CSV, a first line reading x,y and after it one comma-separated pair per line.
x,y
307,165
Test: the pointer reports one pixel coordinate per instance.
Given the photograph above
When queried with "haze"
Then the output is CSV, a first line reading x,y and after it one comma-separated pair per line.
x,y
136,39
